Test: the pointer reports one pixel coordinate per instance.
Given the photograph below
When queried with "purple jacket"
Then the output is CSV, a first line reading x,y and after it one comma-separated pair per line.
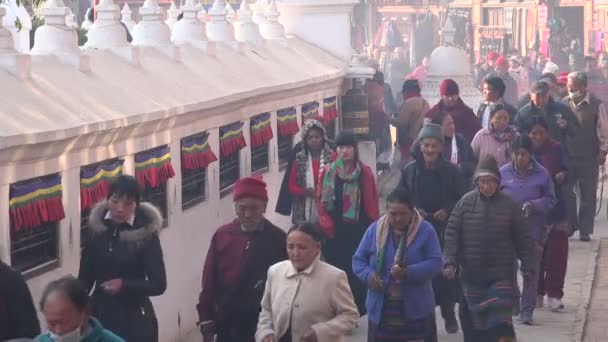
x,y
537,188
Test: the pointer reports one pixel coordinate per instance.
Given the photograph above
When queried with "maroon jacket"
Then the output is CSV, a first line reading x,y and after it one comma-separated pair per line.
x,y
235,270
465,120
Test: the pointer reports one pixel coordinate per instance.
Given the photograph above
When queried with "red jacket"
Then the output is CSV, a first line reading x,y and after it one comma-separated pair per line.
x,y
369,196
231,254
465,120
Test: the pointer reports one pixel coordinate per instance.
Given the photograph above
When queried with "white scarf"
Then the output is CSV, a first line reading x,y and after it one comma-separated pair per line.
x,y
454,156
311,208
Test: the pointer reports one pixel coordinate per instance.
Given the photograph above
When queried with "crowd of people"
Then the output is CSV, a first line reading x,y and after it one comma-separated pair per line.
x,y
483,195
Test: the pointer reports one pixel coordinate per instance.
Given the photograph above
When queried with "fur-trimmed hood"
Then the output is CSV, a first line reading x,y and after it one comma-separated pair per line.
x,y
148,222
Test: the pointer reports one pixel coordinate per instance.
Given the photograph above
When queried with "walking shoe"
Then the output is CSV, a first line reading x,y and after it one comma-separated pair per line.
x,y
555,304
526,319
451,324
516,308
584,237
540,301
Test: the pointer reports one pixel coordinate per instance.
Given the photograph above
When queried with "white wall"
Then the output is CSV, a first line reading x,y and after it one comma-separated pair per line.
x,y
326,24
185,241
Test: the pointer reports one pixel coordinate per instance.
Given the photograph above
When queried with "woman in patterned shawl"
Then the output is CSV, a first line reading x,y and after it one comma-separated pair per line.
x,y
315,154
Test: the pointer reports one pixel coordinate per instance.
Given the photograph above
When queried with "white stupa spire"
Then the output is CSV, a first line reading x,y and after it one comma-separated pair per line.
x,y
127,17
151,30
107,31
190,29
10,60
230,13
259,11
172,15
55,35
245,29
219,29
56,38
271,28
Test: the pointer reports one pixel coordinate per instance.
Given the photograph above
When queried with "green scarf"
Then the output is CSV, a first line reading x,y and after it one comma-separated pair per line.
x,y
351,192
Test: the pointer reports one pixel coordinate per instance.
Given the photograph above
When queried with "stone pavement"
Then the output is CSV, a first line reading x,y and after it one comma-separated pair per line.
x,y
596,329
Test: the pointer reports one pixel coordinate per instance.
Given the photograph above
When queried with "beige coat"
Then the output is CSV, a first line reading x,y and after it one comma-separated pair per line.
x,y
411,117
318,298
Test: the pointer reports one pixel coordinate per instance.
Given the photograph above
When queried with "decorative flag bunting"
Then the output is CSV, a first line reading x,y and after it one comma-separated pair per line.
x,y
95,182
287,122
310,111
231,138
330,109
261,130
35,202
153,167
196,153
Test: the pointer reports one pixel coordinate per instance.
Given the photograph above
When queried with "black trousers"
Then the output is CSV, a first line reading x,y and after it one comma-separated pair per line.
x,y
237,329
471,335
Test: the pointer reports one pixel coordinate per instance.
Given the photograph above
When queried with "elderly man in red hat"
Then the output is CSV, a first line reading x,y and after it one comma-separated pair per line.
x,y
235,270
465,120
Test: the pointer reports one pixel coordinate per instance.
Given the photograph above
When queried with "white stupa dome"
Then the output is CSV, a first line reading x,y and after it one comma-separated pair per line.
x,y
449,61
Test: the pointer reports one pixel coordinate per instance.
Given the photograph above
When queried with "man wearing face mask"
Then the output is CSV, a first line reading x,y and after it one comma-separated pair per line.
x,y
465,120
558,116
587,149
66,307
237,263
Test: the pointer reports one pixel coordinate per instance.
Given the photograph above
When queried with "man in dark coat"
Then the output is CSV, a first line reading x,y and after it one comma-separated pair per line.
x,y
18,317
465,120
558,116
237,263
493,90
554,90
435,185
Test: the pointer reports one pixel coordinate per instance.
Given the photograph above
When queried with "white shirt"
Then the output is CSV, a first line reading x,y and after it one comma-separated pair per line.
x,y
130,221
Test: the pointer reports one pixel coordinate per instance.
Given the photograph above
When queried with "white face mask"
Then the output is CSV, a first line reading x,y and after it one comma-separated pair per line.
x,y
73,336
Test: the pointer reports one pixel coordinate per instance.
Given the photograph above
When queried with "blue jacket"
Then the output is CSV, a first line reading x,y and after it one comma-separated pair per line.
x,y
96,333
423,257
537,188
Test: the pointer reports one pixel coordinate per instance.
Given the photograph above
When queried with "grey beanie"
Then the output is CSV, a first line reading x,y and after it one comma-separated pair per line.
x,y
430,130
487,167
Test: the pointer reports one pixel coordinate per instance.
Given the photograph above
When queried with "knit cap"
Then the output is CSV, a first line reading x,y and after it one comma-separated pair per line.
x,y
430,130
487,167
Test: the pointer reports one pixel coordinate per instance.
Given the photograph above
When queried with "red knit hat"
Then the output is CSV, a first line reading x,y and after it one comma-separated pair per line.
x,y
501,61
250,187
491,56
448,87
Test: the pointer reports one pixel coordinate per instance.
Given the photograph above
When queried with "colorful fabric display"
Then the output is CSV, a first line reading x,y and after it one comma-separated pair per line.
x,y
231,139
35,202
196,152
261,130
287,122
95,182
153,168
